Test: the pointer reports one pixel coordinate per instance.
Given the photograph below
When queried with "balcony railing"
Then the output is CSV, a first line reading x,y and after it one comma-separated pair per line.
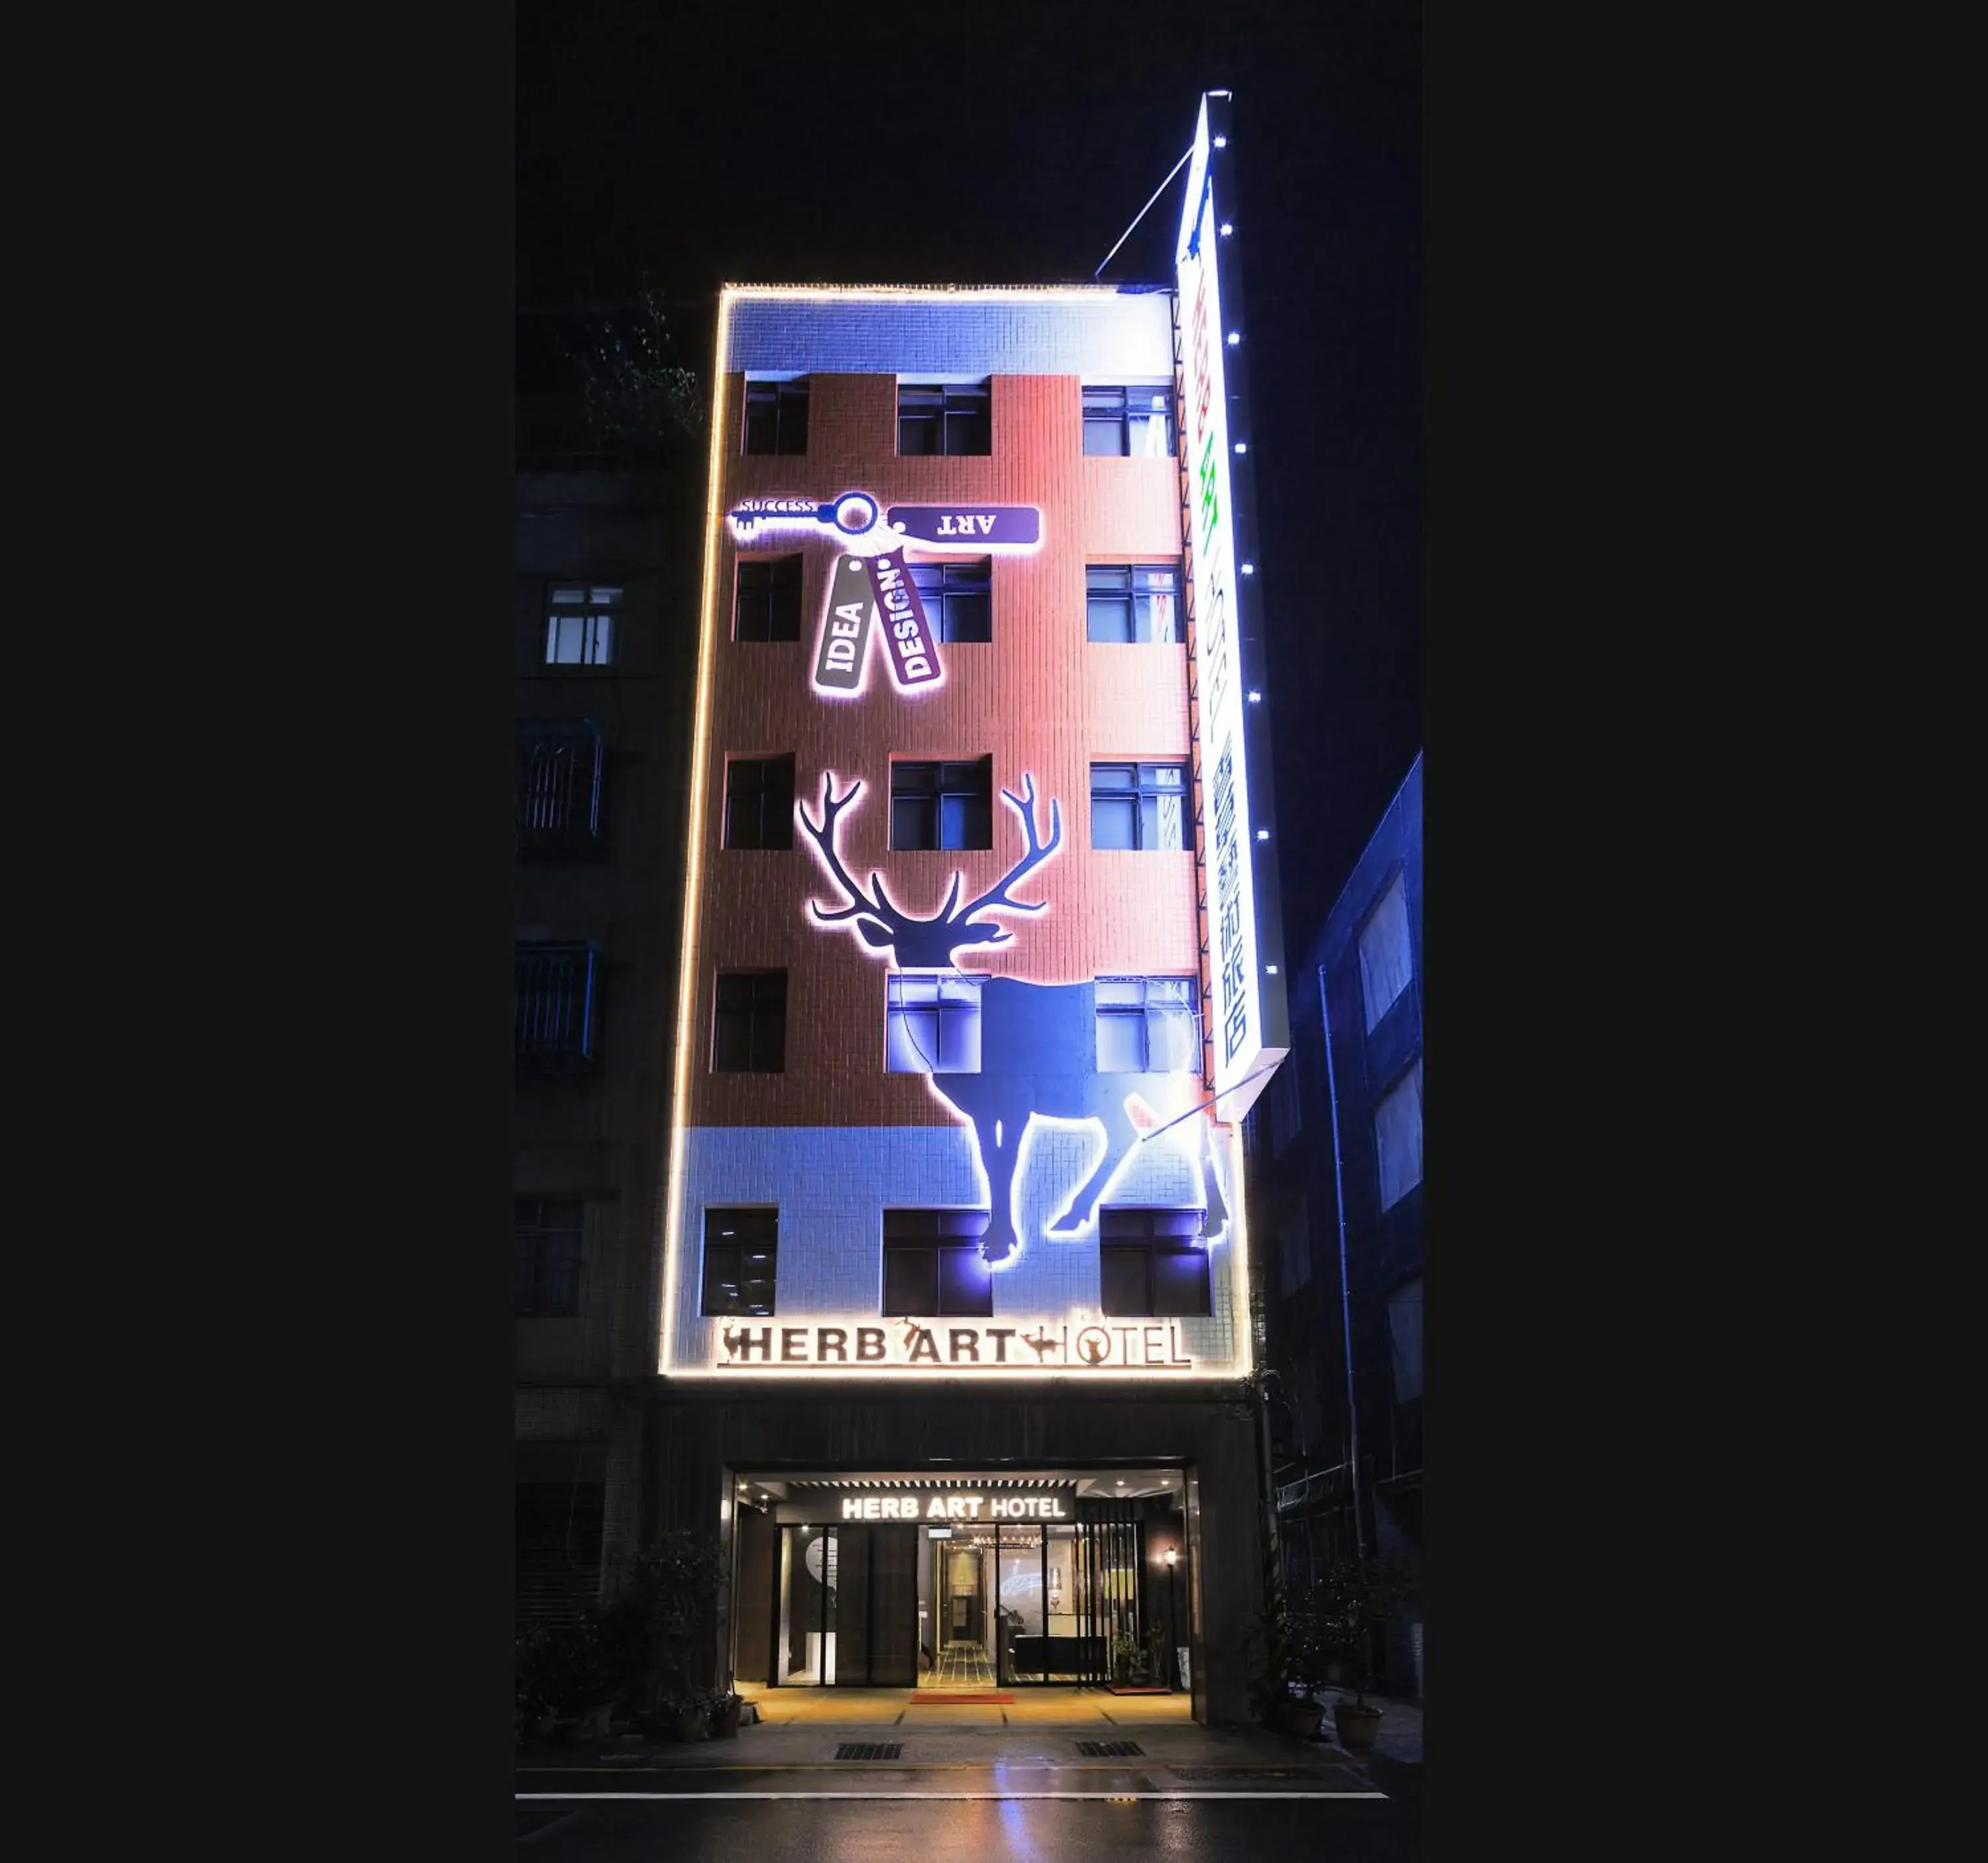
x,y
559,788
558,1006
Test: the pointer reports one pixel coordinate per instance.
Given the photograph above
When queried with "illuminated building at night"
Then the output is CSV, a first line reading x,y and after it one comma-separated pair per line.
x,y
981,970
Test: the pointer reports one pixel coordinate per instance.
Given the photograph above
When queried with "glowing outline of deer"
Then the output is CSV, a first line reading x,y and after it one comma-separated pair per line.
x,y
882,925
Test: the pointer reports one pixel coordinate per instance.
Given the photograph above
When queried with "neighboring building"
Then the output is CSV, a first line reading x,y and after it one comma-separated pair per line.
x,y
974,880
1368,965
604,634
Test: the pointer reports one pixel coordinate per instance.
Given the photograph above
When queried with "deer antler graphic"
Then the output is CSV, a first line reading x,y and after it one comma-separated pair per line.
x,y
927,944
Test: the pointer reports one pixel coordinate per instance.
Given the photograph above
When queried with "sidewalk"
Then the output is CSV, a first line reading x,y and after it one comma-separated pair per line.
x,y
805,1729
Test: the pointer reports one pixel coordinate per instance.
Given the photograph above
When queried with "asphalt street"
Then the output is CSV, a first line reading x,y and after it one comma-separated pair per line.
x,y
972,1814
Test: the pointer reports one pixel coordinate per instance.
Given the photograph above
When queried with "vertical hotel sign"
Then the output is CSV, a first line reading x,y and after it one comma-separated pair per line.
x,y
1250,1029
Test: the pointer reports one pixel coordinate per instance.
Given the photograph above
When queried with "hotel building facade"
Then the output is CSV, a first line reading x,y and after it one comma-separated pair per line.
x,y
980,973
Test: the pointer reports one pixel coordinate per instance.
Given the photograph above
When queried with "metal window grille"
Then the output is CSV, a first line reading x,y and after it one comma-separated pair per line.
x,y
776,417
579,624
559,764
942,805
952,420
547,1259
558,1008
1138,805
741,1258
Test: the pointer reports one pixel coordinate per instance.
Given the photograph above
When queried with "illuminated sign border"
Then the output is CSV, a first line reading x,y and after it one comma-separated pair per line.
x,y
1239,1362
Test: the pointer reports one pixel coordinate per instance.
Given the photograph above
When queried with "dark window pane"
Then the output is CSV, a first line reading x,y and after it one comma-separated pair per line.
x,y
741,1256
1104,438
967,617
966,1285
910,1282
914,822
1122,1282
1121,1044
1114,822
1108,617
1180,1282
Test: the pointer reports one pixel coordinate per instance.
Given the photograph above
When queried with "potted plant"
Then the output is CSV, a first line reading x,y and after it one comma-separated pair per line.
x,y
1347,1599
687,1714
726,1706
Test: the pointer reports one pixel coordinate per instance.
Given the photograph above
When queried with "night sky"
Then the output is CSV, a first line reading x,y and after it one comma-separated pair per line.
x,y
663,149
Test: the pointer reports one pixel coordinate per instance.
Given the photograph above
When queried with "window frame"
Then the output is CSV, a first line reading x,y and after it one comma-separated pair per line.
x,y
761,1216
536,1234
944,402
731,795
602,603
1142,788
546,801
1108,405
566,1056
963,1006
1138,1233
1143,1013
1409,1077
785,395
943,582
956,1232
1101,587
783,573
757,1013
944,788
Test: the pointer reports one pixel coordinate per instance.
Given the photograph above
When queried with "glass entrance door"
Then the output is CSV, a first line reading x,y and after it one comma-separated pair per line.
x,y
847,1597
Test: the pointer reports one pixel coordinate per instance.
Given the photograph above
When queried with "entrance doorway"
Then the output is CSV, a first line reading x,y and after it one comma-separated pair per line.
x,y
956,1582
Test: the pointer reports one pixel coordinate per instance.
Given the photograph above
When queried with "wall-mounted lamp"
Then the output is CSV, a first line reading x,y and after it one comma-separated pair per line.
x,y
1221,142
1235,337
1272,968
1263,834
1255,698
1171,1555
1242,446
1226,229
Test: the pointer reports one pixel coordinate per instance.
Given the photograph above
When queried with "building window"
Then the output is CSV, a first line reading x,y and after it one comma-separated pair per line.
x,y
1131,601
579,624
1135,423
1152,1264
740,1250
760,802
942,805
1398,1137
1294,1248
559,787
932,1267
1287,1116
752,1023
558,1008
952,420
1138,805
1148,1025
934,1026
1386,961
1405,1324
958,599
768,606
776,415
547,1260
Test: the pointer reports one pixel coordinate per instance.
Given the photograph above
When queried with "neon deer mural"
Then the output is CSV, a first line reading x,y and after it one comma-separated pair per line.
x,y
1038,1041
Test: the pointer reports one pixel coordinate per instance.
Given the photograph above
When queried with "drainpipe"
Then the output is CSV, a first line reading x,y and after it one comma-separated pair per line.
x,y
1345,1291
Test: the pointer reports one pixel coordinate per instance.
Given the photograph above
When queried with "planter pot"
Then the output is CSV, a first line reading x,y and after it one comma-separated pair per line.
x,y
1301,1718
690,1726
1356,1726
725,1724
